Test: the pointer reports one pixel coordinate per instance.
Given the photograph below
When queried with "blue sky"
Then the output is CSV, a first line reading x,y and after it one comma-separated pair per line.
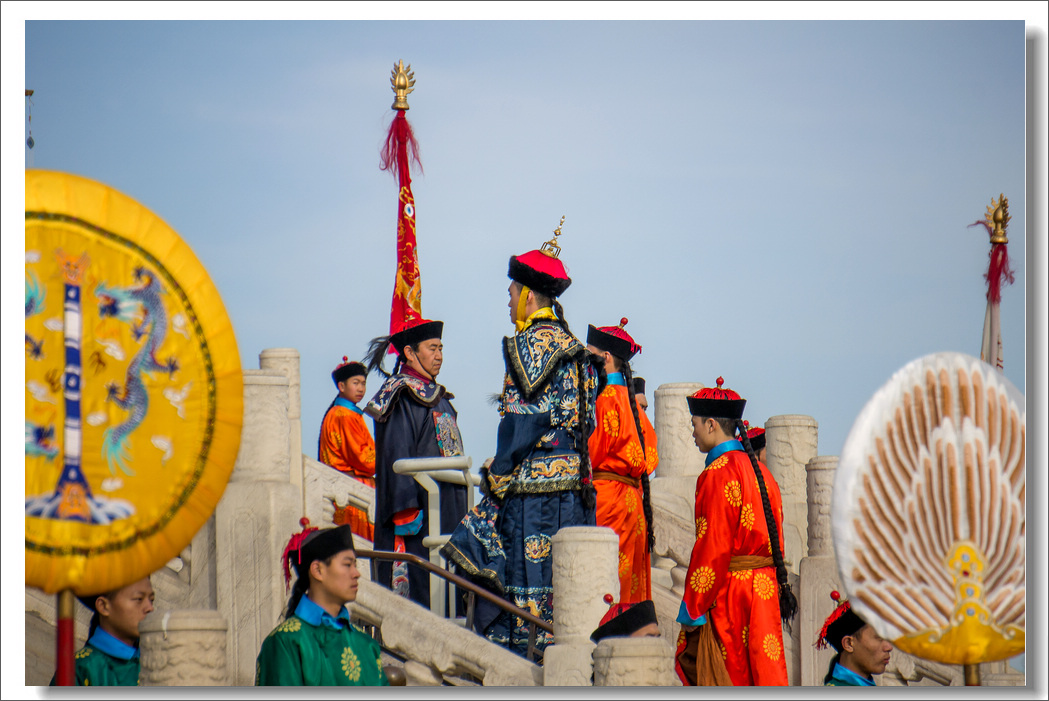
x,y
784,204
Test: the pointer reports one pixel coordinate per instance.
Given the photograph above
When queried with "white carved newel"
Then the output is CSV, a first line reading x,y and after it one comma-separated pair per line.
x,y
585,560
819,571
680,461
185,647
633,662
286,360
254,519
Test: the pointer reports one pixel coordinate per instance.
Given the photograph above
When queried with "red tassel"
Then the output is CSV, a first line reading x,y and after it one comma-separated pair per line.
x,y
998,272
844,606
295,546
399,148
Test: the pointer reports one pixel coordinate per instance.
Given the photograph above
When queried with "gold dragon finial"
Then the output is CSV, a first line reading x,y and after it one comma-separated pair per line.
x,y
998,219
403,81
551,248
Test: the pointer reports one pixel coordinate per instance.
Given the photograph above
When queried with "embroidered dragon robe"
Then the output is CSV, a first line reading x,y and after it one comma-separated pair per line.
x,y
533,483
413,419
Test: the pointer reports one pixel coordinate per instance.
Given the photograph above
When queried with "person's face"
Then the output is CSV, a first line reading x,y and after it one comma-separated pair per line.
x,y
642,401
428,358
702,433
354,388
870,651
337,579
649,631
515,298
120,614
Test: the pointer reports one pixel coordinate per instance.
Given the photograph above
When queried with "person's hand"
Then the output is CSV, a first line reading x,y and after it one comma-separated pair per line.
x,y
488,463
688,629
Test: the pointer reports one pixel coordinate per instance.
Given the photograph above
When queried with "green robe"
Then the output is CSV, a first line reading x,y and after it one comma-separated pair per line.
x,y
93,667
300,653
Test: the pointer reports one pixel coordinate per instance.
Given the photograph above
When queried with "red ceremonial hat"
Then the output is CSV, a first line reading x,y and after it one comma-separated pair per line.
x,y
347,369
717,402
841,622
613,339
623,619
755,435
542,269
314,543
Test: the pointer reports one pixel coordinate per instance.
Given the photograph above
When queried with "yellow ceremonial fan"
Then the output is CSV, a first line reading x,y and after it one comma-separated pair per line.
x,y
134,393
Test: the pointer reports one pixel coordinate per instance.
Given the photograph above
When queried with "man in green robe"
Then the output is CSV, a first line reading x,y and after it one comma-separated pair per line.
x,y
316,645
111,656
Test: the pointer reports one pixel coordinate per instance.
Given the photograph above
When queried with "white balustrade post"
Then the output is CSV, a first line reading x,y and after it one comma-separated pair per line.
x,y
680,461
286,360
819,571
186,647
257,514
790,442
585,560
633,662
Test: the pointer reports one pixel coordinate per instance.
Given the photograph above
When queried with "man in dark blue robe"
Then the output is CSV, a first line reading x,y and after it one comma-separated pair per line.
x,y
413,419
539,480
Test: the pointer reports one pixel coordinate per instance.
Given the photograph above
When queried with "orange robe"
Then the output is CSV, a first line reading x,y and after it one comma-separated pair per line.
x,y
346,445
614,447
743,606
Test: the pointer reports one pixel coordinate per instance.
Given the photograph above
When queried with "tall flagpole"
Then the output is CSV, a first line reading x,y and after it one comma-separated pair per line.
x,y
998,274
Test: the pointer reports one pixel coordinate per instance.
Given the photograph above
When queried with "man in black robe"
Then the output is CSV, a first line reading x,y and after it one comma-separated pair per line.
x,y
413,419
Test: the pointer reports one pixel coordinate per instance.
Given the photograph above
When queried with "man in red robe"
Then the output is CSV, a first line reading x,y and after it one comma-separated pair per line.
x,y
736,576
345,442
623,455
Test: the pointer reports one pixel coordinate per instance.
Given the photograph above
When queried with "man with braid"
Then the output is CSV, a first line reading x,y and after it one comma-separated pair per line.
x,y
736,591
622,456
539,480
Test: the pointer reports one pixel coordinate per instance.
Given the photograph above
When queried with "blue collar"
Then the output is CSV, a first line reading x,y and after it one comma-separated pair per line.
x,y
616,378
104,642
720,449
339,401
316,616
849,677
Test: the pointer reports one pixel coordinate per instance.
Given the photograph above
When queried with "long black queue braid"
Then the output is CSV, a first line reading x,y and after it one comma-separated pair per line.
x,y
646,491
788,603
559,310
302,583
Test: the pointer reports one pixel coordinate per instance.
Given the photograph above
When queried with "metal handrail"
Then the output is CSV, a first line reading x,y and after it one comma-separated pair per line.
x,y
533,622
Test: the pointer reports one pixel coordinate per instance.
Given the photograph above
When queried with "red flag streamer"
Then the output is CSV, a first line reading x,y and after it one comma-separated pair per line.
x,y
401,146
999,273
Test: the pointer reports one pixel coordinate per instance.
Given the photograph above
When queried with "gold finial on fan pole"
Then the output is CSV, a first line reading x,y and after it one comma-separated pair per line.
x,y
403,81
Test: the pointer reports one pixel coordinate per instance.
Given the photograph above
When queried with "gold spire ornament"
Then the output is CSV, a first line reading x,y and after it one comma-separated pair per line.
x,y
551,248
998,219
403,81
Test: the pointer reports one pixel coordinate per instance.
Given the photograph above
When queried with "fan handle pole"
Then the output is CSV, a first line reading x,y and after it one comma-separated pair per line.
x,y
972,674
64,652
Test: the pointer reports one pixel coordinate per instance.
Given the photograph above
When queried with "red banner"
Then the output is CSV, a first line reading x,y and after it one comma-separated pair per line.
x,y
407,289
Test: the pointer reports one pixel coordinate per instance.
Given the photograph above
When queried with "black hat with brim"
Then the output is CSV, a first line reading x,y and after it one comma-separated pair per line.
x,y
348,370
848,623
416,334
630,621
639,385
717,408
618,347
322,544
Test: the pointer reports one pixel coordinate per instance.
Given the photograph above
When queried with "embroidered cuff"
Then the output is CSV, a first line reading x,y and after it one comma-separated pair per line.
x,y
409,527
685,619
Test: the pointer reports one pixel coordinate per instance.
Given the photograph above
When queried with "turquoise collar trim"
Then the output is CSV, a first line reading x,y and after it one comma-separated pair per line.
x,y
104,642
316,616
616,378
722,448
849,677
340,401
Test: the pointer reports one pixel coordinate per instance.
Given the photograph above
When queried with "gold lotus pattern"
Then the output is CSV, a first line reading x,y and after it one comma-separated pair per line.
x,y
930,525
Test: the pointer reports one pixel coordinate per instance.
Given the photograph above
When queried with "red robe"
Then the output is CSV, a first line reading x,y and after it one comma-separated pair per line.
x,y
614,447
346,445
743,606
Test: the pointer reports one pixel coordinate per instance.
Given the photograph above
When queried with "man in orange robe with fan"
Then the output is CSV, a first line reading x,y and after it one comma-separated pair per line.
x,y
345,442
736,590
623,453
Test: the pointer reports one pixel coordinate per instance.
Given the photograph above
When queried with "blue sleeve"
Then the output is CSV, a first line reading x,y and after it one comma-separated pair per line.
x,y
685,619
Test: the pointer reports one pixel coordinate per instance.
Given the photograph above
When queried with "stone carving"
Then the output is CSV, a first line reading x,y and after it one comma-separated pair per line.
x,y
264,440
678,455
634,662
183,648
820,483
320,480
790,442
585,560
286,362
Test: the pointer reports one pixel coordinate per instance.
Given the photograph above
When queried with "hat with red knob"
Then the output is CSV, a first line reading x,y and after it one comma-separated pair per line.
x,y
313,543
613,339
717,402
621,620
842,622
347,369
755,435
